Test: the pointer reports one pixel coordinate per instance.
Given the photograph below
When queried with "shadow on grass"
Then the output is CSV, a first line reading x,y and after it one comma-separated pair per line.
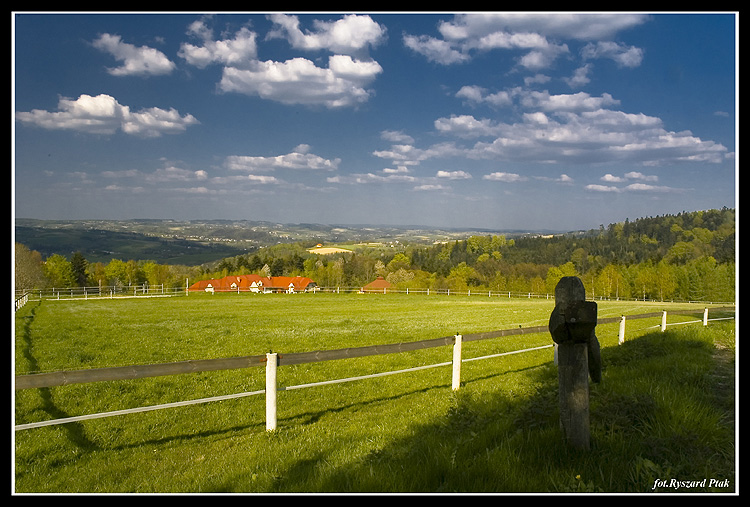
x,y
75,431
499,444
490,440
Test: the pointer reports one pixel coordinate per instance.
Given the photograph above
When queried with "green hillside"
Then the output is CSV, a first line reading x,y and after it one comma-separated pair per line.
x,y
689,256
100,245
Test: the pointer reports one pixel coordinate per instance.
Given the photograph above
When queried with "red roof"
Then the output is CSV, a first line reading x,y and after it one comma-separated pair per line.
x,y
283,282
245,283
379,283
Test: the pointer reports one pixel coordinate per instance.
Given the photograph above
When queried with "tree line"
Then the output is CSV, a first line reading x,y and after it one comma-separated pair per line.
x,y
687,256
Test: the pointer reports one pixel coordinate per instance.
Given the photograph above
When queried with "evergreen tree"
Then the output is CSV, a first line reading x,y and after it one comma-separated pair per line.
x,y
79,265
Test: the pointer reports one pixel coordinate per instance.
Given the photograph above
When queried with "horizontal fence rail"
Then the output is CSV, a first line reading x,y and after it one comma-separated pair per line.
x,y
272,361
64,378
101,292
145,290
478,293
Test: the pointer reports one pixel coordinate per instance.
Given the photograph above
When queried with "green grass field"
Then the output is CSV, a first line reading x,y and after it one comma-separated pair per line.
x,y
664,409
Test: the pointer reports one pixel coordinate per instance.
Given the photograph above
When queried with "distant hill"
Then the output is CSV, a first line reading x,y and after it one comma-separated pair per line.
x,y
671,237
192,243
98,245
200,241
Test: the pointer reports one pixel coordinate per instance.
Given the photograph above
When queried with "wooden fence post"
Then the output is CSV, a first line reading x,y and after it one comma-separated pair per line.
x,y
574,394
456,363
705,316
664,321
621,336
271,365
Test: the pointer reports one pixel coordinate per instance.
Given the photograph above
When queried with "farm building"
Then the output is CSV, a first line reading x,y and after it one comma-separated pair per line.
x,y
255,283
380,284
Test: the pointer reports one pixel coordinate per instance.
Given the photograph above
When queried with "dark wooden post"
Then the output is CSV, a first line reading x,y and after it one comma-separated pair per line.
x,y
572,325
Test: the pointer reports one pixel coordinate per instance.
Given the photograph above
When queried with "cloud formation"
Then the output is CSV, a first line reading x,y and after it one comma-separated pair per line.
x,y
351,35
558,128
574,128
538,36
638,186
102,114
299,81
238,51
299,159
137,61
528,122
343,83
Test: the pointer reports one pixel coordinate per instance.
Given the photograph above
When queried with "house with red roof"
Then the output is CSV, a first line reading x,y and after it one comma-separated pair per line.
x,y
380,284
255,283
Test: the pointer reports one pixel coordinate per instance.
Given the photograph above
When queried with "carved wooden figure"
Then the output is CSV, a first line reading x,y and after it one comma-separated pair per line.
x,y
572,326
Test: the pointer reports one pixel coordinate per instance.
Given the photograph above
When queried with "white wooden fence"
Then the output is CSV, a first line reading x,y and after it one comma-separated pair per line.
x,y
273,360
145,290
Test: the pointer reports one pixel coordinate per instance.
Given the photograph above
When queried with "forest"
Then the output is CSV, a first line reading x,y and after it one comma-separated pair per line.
x,y
688,256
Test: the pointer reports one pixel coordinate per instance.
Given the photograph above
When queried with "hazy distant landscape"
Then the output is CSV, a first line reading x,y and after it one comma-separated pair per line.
x,y
193,242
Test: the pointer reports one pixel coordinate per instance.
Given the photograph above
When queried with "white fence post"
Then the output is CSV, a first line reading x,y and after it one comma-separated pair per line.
x,y
621,338
271,364
664,321
705,316
456,363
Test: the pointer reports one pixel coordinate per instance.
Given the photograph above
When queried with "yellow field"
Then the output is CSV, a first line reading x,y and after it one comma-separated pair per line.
x,y
328,250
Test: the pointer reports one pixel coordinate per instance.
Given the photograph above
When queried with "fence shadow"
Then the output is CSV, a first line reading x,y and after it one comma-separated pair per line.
x,y
504,444
453,452
75,431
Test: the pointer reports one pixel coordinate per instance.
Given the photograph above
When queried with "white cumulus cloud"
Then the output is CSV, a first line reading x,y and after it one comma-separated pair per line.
x,y
342,83
504,177
143,60
350,35
300,81
454,175
538,36
102,114
238,51
299,159
573,128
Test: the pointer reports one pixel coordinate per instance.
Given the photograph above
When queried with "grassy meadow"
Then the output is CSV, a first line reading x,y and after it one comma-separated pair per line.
x,y
664,409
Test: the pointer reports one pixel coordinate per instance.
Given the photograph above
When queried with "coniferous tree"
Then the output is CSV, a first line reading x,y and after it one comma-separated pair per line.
x,y
79,265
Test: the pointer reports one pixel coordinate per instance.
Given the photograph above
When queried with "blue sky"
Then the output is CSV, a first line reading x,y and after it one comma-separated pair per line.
x,y
492,120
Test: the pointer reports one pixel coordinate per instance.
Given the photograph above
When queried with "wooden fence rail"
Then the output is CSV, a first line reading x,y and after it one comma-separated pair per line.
x,y
112,292
273,360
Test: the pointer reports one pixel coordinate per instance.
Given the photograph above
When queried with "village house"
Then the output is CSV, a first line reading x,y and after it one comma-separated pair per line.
x,y
380,284
256,283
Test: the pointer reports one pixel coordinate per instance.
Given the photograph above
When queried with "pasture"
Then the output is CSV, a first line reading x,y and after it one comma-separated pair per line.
x,y
659,412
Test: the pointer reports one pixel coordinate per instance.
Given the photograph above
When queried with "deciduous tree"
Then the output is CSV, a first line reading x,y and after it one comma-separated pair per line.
x,y
59,271
29,272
